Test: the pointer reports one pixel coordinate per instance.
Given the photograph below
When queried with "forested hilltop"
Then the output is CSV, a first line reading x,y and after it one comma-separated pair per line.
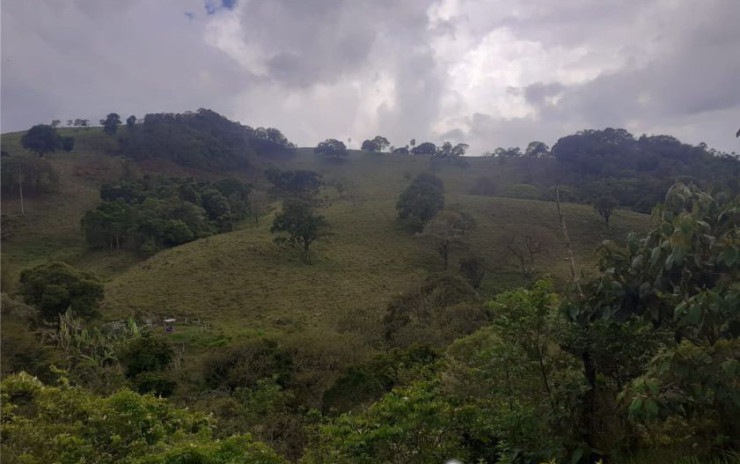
x,y
184,288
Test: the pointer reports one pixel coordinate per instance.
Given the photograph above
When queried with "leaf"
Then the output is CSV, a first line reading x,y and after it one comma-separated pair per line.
x,y
576,456
651,407
652,384
730,367
694,314
636,406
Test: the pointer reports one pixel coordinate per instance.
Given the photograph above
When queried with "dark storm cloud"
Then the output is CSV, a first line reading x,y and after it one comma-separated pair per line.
x,y
490,73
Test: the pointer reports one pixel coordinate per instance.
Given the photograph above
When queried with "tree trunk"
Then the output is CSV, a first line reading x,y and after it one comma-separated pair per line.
x,y
589,408
20,188
445,253
571,256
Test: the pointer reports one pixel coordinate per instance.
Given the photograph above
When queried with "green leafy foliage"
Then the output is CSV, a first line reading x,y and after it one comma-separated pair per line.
x,y
681,279
110,123
150,214
54,287
146,354
421,200
203,139
436,312
302,226
361,384
67,424
409,425
332,149
637,171
294,184
425,148
521,382
377,144
41,139
247,363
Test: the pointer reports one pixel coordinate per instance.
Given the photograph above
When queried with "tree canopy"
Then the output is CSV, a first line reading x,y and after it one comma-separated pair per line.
x,y
379,143
110,123
426,148
43,139
332,149
68,424
421,200
54,287
302,226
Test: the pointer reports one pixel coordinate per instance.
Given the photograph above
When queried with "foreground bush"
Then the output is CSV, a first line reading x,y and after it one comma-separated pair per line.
x,y
43,424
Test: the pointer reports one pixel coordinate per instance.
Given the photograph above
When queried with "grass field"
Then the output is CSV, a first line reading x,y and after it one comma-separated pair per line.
x,y
242,283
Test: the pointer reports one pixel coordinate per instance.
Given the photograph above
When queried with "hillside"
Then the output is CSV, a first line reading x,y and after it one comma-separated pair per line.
x,y
241,279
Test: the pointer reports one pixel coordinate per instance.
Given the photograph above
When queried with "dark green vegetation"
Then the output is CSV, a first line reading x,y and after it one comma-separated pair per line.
x,y
436,320
204,140
150,214
44,139
636,172
55,287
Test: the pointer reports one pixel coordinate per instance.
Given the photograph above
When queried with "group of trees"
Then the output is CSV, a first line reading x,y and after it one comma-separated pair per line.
x,y
150,214
65,423
642,356
34,176
446,152
421,201
332,149
421,209
44,139
602,167
203,139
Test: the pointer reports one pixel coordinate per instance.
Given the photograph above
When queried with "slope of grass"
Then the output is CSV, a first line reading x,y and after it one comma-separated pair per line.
x,y
242,281
50,227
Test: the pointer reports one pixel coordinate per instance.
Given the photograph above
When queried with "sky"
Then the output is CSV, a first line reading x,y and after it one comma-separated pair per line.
x,y
488,73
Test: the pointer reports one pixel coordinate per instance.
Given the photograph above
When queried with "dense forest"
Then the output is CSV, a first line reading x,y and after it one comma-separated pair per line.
x,y
526,311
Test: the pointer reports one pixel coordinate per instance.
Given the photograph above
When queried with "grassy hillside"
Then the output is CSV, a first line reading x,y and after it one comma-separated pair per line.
x,y
50,227
243,279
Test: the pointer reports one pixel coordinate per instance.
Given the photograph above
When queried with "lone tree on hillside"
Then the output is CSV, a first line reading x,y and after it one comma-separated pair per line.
x,y
130,122
302,226
379,143
525,248
41,139
110,123
55,287
332,149
421,200
447,228
473,269
605,205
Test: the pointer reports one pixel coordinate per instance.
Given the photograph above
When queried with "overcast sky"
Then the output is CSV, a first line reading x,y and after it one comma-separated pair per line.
x,y
489,73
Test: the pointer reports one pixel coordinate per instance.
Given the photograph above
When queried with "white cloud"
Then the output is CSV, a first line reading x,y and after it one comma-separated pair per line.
x,y
496,72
